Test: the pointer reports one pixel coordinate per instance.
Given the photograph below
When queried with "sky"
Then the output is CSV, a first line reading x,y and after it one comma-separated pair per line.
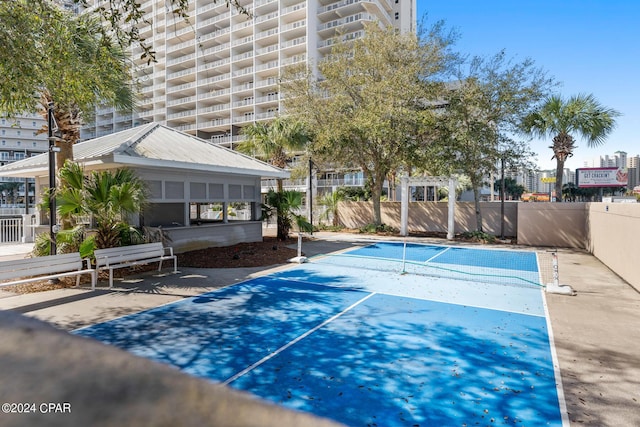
x,y
589,46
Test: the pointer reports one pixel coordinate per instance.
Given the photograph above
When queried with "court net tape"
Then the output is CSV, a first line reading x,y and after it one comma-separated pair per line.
x,y
501,276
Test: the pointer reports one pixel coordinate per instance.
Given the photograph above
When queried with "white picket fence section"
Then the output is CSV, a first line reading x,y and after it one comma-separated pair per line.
x,y
11,230
17,230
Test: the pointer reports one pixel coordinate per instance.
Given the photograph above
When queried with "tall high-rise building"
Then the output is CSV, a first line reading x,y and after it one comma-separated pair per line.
x,y
618,160
219,70
19,138
633,171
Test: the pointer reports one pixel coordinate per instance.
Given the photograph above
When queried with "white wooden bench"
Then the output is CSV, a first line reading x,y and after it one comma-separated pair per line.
x,y
46,267
127,256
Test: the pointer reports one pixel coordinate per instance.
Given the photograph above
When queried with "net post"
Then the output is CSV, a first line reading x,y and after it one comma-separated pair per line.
x,y
556,287
299,259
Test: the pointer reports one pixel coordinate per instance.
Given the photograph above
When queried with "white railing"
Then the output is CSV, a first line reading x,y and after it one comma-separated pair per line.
x,y
11,230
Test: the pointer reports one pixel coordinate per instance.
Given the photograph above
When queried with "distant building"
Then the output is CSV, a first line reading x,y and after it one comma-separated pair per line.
x,y
19,139
618,160
220,70
633,169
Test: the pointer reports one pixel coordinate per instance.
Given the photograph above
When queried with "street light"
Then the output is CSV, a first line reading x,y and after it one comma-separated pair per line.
x,y
502,191
52,126
311,194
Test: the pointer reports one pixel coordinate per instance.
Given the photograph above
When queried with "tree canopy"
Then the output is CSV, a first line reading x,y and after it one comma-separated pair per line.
x,y
369,106
484,107
35,37
67,61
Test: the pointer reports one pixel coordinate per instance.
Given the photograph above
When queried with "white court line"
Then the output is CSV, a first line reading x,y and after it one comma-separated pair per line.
x,y
289,344
562,400
438,254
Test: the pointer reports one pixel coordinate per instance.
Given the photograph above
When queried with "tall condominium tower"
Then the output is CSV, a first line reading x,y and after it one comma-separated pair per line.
x,y
219,70
19,138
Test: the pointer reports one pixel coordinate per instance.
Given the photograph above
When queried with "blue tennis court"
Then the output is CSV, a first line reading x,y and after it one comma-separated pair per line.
x,y
366,346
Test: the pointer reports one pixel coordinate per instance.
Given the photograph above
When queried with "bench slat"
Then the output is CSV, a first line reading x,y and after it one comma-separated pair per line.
x,y
125,256
40,265
42,268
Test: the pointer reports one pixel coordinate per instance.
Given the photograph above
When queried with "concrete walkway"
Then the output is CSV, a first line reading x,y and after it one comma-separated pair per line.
x,y
596,333
15,250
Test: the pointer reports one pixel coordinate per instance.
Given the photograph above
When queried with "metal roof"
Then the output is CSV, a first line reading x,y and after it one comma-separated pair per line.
x,y
153,146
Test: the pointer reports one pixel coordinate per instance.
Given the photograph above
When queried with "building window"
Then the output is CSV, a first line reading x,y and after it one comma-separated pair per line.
x,y
19,143
35,144
397,15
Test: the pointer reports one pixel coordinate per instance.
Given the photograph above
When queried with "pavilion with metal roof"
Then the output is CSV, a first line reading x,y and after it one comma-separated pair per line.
x,y
200,193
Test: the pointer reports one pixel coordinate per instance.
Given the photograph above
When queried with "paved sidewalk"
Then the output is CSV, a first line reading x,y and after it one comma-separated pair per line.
x,y
596,333
15,250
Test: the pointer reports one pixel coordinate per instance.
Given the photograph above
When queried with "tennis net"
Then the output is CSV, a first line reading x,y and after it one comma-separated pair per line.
x,y
503,267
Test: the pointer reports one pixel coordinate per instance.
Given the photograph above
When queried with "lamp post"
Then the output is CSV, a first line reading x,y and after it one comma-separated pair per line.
x,y
502,191
52,179
311,194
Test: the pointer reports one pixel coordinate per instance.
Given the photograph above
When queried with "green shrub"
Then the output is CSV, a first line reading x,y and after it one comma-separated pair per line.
x,y
375,229
479,236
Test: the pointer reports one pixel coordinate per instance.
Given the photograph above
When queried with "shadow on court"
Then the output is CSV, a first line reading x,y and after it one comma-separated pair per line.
x,y
353,356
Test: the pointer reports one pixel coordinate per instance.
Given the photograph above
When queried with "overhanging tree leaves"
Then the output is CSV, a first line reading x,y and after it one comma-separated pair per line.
x,y
484,107
33,36
75,66
368,107
123,19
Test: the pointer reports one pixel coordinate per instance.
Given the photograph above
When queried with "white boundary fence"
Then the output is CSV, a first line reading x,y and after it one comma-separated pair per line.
x,y
17,230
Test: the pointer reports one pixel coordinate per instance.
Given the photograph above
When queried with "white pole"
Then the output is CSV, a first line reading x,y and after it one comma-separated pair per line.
x,y
451,224
299,259
404,207
404,255
556,273
556,287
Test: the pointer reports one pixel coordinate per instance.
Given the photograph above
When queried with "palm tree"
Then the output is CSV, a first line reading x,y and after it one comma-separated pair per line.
x,y
569,191
284,204
274,141
330,202
109,196
10,191
84,67
562,118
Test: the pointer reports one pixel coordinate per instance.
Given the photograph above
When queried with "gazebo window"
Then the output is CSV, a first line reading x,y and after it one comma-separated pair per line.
x,y
239,205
